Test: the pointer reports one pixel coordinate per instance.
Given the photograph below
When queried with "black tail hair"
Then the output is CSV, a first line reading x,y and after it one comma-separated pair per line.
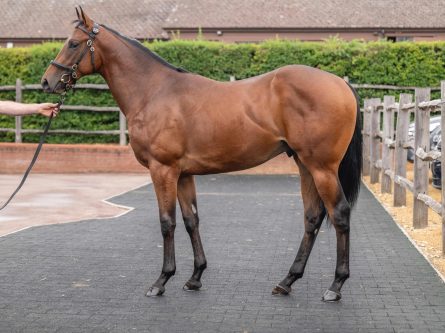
x,y
350,169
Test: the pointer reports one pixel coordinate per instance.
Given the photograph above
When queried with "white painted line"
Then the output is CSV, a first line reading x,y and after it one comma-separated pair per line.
x,y
407,235
13,232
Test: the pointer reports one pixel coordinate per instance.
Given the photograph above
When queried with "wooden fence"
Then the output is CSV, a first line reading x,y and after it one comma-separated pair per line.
x,y
122,131
385,150
18,130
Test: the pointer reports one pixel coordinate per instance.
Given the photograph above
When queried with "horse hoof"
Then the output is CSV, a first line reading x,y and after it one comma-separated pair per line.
x,y
331,296
192,285
155,291
281,290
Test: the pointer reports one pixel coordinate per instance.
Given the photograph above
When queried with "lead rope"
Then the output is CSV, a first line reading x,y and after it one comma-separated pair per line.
x,y
36,154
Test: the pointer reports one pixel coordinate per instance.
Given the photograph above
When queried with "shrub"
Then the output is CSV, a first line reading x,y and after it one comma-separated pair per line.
x,y
406,63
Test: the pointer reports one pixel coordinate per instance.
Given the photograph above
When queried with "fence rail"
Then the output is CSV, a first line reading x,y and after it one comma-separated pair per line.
x,y
385,153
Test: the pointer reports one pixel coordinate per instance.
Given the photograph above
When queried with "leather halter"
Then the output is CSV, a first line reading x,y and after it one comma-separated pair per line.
x,y
70,78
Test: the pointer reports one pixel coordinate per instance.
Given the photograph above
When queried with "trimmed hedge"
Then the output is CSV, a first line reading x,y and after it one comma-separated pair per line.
x,y
404,64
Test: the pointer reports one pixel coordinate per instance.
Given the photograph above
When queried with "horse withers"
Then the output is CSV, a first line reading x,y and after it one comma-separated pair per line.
x,y
182,124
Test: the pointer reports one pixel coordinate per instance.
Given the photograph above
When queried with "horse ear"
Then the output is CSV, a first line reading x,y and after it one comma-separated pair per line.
x,y
78,15
87,22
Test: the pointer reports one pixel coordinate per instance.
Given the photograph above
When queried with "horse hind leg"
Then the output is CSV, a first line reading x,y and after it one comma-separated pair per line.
x,y
314,214
189,208
339,211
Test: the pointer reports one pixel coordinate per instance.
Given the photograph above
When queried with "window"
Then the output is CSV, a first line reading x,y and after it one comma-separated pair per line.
x,y
399,38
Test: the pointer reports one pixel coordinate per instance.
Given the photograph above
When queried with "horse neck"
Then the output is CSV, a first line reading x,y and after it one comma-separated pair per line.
x,y
133,77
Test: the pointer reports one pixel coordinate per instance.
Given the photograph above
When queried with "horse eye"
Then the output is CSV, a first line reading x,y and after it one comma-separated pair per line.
x,y
73,44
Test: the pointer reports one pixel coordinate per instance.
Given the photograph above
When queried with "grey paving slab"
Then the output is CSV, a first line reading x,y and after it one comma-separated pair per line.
x,y
91,276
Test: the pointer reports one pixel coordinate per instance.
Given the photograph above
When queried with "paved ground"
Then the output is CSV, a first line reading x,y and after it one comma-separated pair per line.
x,y
90,276
56,198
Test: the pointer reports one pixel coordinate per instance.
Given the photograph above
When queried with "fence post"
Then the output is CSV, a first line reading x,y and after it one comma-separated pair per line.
x,y
18,119
442,160
387,136
375,140
401,153
122,129
366,137
421,139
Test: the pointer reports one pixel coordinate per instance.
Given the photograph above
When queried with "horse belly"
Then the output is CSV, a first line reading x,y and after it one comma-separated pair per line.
x,y
232,157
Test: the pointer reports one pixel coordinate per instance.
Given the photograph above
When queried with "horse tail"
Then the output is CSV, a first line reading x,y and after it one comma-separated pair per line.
x,y
350,169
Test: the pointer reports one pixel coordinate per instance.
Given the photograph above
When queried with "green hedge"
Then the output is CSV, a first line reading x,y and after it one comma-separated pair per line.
x,y
404,64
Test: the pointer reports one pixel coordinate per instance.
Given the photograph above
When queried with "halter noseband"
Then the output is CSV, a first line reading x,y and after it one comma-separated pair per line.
x,y
70,78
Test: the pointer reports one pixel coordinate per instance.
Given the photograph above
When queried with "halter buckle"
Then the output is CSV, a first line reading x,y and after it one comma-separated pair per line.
x,y
95,28
65,78
89,42
74,67
74,75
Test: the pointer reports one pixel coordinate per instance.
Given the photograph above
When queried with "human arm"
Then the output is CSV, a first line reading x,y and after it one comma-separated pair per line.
x,y
21,109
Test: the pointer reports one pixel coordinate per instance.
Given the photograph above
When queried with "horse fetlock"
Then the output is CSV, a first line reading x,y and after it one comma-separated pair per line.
x,y
341,274
295,274
200,265
168,272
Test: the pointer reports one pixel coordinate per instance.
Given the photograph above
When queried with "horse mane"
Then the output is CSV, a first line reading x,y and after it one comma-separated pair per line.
x,y
146,50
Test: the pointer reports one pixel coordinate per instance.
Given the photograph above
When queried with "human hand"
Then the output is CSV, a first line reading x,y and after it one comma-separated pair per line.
x,y
46,109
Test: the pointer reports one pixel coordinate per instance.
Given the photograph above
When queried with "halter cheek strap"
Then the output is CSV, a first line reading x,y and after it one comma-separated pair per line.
x,y
70,78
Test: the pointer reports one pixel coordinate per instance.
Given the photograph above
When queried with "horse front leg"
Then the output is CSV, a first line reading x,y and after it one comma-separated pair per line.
x,y
189,208
165,180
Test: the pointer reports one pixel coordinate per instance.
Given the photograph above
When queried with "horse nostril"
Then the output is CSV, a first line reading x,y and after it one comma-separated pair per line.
x,y
45,85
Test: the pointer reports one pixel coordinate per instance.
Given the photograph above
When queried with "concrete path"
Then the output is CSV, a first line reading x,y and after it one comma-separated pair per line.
x,y
91,276
61,198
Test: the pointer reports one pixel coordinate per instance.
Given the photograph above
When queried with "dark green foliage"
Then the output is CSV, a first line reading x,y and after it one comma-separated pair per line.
x,y
402,64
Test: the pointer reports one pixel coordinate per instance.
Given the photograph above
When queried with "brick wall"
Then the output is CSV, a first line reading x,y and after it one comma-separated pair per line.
x,y
58,158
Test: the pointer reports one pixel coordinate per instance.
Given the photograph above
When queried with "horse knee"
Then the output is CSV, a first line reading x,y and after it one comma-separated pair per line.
x,y
168,226
340,219
191,223
313,221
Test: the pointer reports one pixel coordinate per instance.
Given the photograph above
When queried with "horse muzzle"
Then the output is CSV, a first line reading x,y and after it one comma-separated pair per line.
x,y
45,85
59,88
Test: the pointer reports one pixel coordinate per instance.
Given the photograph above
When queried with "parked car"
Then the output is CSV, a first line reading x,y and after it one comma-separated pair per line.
x,y
436,164
434,123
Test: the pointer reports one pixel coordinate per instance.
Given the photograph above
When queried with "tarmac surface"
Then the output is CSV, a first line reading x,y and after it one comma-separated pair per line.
x,y
90,276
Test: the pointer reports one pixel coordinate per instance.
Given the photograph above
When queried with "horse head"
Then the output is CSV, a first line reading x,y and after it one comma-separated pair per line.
x,y
77,58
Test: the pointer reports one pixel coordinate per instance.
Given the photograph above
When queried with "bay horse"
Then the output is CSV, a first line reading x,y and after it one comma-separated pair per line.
x,y
182,124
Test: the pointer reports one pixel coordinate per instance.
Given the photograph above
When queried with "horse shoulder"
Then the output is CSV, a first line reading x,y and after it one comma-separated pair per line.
x,y
158,134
